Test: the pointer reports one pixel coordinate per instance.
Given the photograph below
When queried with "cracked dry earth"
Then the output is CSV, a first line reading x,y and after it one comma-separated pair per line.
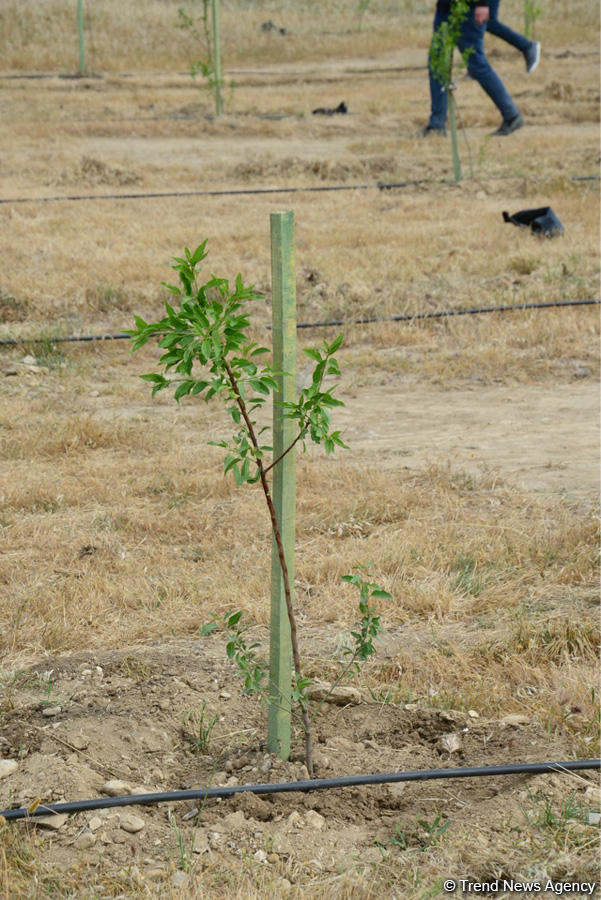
x,y
94,724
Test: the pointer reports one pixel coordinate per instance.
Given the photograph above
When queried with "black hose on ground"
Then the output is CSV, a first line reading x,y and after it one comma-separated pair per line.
x,y
237,192
366,320
317,784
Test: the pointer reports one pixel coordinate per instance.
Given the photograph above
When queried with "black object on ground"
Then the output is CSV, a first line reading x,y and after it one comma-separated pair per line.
x,y
316,784
541,221
341,109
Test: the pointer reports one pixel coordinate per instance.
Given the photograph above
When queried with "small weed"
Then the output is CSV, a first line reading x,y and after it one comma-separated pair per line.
x,y
466,580
198,726
433,831
107,522
185,857
106,298
135,668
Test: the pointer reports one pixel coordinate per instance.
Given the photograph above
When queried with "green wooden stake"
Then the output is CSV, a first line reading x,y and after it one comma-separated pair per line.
x,y
283,277
82,48
217,58
454,143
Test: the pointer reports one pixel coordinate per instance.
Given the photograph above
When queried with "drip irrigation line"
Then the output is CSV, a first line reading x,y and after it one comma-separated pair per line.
x,y
239,192
365,320
228,192
317,784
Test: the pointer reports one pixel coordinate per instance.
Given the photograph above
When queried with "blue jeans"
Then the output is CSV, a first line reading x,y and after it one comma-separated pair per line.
x,y
478,67
499,30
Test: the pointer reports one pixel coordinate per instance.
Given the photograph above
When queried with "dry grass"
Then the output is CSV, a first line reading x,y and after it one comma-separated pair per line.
x,y
118,527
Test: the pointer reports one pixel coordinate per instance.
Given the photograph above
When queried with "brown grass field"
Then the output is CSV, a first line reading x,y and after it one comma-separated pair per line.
x,y
471,483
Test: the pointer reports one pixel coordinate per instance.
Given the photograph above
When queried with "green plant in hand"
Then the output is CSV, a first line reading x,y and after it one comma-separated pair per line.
x,y
208,353
444,41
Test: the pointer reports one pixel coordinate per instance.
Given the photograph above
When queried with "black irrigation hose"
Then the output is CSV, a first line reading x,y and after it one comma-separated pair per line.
x,y
317,784
366,320
238,192
229,192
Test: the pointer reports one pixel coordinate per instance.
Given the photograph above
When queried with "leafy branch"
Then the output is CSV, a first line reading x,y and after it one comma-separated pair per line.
x,y
208,353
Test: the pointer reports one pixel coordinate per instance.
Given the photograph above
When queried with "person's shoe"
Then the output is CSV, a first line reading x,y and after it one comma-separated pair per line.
x,y
532,56
508,126
432,129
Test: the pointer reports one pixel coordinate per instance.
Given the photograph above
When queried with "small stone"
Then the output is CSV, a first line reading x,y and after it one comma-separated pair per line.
x,y
85,673
593,818
85,840
116,788
302,773
165,705
321,760
179,879
314,820
50,711
340,695
293,819
396,789
94,393
582,372
235,819
225,695
155,874
99,671
371,745
284,885
190,814
95,823
593,794
118,838
79,741
131,823
261,856
53,820
201,841
266,766
29,360
515,719
450,743
473,714
7,767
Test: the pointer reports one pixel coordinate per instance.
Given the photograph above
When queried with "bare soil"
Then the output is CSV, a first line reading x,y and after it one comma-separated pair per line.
x,y
126,715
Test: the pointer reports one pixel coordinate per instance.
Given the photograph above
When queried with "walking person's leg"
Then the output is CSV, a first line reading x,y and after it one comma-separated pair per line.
x,y
529,49
472,38
438,96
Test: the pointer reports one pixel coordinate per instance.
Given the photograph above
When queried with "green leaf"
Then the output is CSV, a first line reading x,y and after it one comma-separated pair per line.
x,y
313,354
381,594
154,378
171,288
335,345
233,618
259,386
183,389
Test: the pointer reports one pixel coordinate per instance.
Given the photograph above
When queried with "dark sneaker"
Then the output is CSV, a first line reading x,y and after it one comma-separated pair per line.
x,y
508,126
432,129
532,56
